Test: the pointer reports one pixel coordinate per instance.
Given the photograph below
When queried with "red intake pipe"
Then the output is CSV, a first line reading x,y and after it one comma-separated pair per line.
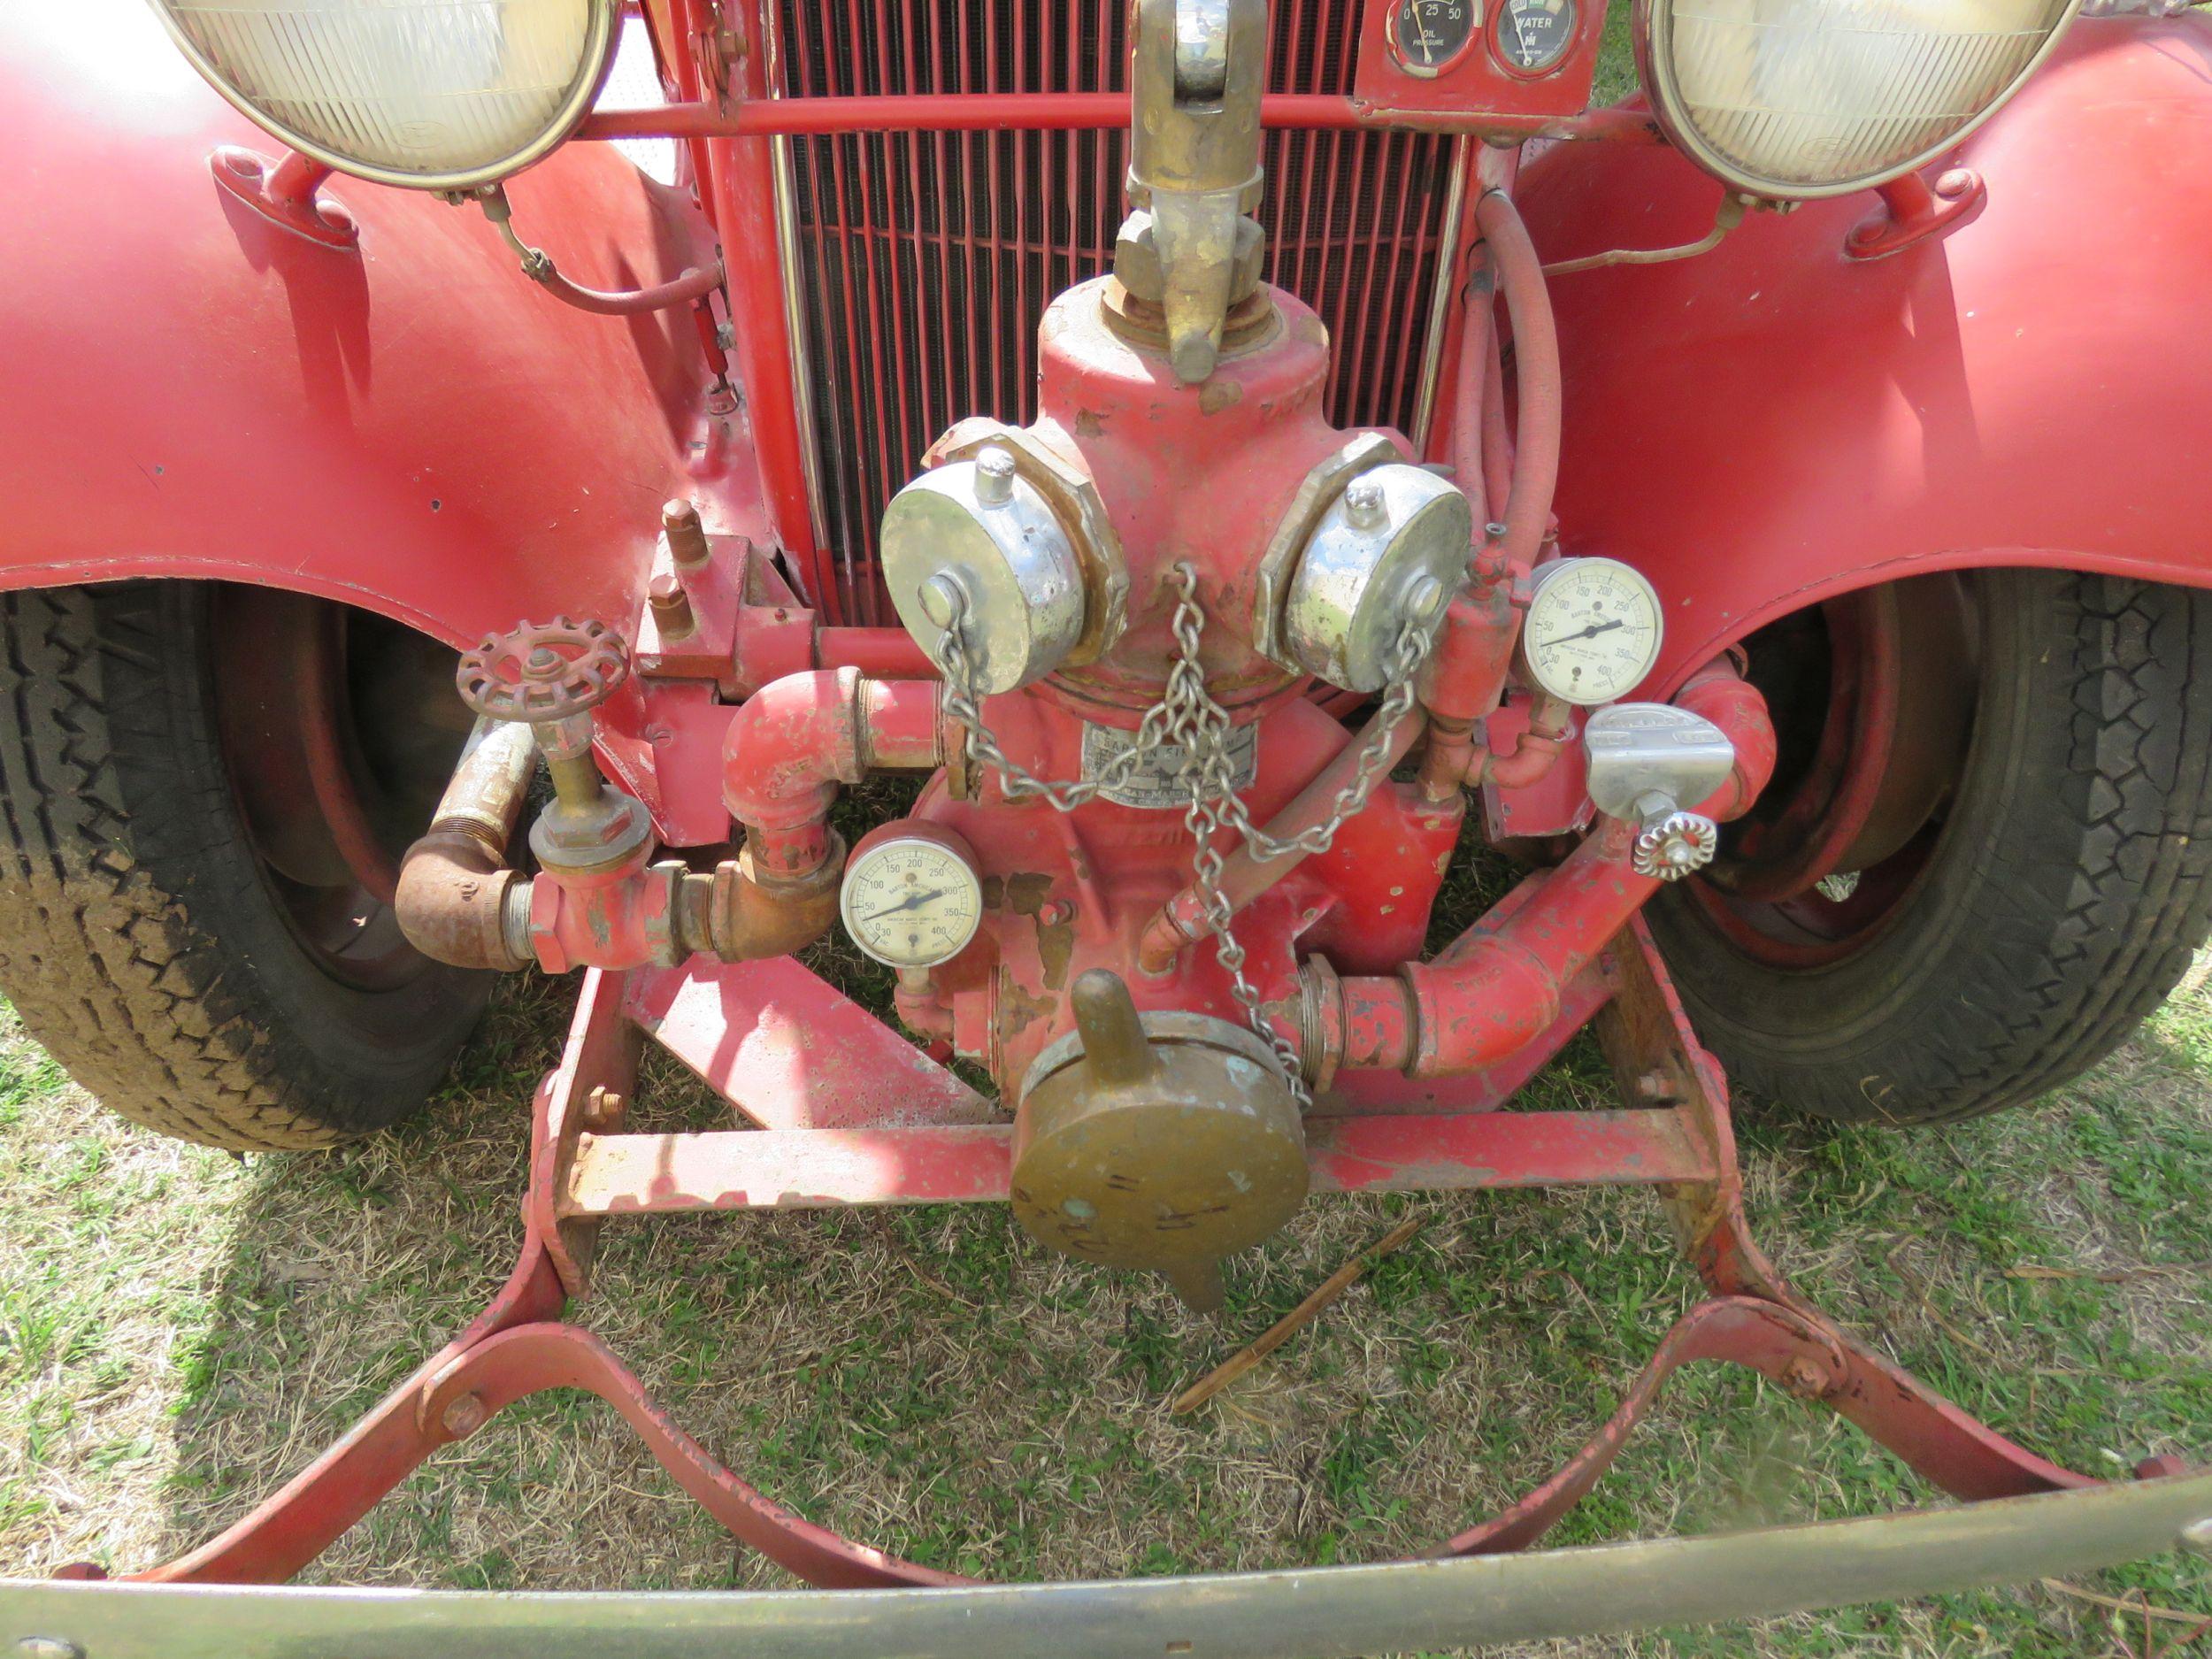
x,y
1497,987
796,739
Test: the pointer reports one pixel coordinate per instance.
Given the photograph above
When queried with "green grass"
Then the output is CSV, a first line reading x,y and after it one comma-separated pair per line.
x,y
179,1329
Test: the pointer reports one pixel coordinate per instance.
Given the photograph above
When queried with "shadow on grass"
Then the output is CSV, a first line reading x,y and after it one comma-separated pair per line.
x,y
928,1380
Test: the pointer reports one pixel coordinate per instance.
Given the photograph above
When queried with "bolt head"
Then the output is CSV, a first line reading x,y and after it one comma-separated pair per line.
x,y
995,476
47,1648
465,1414
1957,183
1804,1378
544,663
2196,1538
1366,505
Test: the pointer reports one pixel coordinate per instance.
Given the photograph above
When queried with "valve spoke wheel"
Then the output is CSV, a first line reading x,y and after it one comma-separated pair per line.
x,y
207,789
1986,853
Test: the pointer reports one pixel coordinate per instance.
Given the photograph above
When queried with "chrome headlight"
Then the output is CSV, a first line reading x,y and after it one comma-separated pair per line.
x,y
441,95
1818,97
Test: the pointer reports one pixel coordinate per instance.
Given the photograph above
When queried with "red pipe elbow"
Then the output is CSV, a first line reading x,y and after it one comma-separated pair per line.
x,y
796,739
1724,696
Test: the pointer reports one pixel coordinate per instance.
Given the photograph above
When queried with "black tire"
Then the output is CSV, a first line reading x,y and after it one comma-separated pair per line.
x,y
142,938
2060,899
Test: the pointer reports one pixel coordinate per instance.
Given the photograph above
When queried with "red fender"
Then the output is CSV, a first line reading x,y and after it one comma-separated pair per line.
x,y
187,390
1773,423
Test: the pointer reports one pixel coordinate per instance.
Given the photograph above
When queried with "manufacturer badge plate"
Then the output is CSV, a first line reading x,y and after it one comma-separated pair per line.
x,y
1155,782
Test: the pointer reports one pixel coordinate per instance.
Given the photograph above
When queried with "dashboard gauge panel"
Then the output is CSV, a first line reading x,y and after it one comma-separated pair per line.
x,y
1525,61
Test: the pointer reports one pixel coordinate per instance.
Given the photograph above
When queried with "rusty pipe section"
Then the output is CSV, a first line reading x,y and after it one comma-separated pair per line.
x,y
1498,987
454,887
796,739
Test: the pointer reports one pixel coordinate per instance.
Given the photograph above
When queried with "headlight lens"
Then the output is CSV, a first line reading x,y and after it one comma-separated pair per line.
x,y
1817,97
438,94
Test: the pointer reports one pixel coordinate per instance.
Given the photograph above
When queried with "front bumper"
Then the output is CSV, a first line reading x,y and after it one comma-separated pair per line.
x,y
1306,1613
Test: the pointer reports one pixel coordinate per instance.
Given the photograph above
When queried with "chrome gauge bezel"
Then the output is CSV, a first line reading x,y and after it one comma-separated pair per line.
x,y
958,865
1546,578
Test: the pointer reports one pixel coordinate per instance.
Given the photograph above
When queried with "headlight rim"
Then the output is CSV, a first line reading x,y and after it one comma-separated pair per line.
x,y
601,42
1681,132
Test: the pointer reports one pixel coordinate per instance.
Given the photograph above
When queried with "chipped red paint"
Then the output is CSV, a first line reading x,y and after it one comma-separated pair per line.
x,y
519,1347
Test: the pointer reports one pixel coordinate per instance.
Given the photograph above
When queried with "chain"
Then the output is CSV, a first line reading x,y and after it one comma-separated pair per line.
x,y
1187,718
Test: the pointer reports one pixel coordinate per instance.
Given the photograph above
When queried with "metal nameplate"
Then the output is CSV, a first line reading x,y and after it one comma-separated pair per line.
x,y
1155,782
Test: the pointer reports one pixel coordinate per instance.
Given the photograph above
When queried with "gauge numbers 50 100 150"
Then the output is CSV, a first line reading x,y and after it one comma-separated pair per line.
x,y
1593,632
910,900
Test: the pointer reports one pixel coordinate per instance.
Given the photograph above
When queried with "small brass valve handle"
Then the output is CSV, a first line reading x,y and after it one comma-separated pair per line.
x,y
543,673
1113,1038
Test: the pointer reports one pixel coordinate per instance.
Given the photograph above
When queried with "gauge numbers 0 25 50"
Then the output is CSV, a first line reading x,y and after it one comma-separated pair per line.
x,y
1428,35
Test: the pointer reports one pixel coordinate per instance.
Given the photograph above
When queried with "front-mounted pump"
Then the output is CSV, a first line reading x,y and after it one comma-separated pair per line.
x,y
1173,907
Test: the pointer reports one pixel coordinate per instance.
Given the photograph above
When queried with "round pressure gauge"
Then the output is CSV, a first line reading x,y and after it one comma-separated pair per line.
x,y
912,897
1533,35
1427,35
1593,631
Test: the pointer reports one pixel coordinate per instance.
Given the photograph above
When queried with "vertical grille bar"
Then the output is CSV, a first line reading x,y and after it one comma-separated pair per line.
x,y
925,260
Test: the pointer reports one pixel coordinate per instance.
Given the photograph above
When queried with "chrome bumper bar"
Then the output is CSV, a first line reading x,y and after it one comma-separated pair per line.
x,y
1309,1613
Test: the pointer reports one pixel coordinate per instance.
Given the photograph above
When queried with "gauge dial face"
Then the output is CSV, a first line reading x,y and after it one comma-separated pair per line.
x,y
1534,36
1431,33
1593,631
910,902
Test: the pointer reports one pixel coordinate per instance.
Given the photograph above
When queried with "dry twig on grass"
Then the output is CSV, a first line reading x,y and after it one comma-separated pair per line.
x,y
1337,1283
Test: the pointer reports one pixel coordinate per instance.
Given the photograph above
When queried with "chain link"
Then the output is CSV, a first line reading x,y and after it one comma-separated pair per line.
x,y
1188,718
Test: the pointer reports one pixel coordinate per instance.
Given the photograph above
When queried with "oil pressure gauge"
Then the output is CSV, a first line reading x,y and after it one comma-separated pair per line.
x,y
1533,35
1593,631
912,897
1427,36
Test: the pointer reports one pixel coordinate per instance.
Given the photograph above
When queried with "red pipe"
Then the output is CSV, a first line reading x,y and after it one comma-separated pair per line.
x,y
793,741
1073,111
693,284
1536,752
1498,987
1724,696
1527,510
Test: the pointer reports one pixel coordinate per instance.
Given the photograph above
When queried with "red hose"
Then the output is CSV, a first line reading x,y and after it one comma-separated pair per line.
x,y
692,285
1527,511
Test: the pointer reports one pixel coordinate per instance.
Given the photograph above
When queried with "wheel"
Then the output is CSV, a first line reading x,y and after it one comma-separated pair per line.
x,y
205,790
1984,856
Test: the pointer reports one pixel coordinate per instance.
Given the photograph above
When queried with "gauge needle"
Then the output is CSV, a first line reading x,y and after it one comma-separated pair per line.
x,y
912,901
1590,632
1520,25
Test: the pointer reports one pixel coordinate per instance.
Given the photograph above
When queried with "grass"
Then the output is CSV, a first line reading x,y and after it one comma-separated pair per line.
x,y
179,1329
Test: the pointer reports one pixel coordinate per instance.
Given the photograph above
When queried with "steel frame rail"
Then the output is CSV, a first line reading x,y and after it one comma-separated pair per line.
x,y
2027,1518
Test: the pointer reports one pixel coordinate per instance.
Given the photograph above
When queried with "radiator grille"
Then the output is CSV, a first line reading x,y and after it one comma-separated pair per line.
x,y
925,260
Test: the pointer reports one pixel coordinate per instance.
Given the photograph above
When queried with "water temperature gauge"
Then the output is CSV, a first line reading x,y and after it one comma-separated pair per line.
x,y
1429,35
912,897
1593,631
1534,36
